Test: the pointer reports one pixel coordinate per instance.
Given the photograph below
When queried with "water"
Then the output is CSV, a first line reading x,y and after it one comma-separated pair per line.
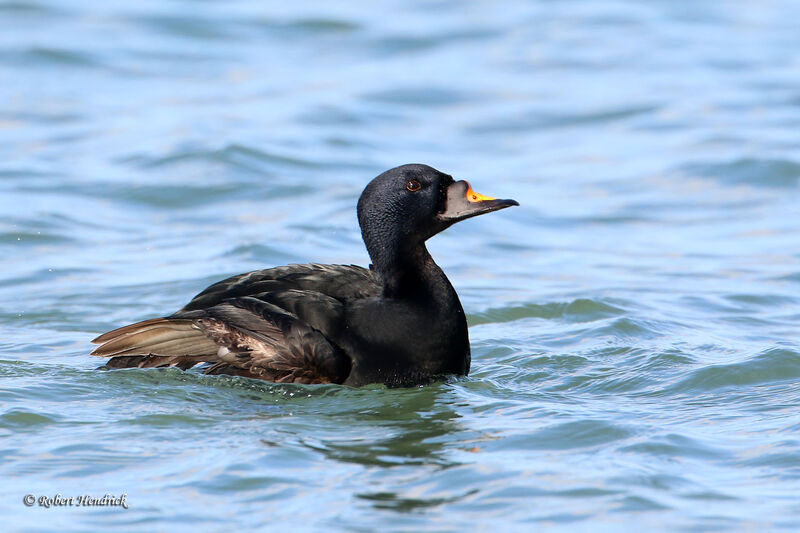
x,y
636,355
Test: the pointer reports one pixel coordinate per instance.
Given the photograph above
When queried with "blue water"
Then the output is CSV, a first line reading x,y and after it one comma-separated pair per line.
x,y
635,324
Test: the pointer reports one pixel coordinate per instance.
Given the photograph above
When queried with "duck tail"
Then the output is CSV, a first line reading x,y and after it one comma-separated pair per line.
x,y
158,342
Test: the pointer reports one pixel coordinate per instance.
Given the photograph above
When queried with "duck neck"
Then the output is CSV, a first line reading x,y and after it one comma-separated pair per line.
x,y
410,273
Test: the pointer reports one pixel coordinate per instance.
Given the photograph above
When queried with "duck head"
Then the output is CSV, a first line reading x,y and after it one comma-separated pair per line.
x,y
403,207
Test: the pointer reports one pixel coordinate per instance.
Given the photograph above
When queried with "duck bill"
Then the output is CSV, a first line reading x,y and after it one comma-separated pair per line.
x,y
462,202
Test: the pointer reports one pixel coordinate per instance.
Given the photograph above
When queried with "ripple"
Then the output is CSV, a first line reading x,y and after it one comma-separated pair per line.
x,y
395,502
268,487
331,115
41,118
80,461
748,171
19,419
628,328
674,445
236,156
419,96
580,310
546,120
25,174
795,278
186,25
23,7
260,253
393,44
175,196
785,458
573,435
303,27
639,503
168,420
54,57
30,238
772,366
755,302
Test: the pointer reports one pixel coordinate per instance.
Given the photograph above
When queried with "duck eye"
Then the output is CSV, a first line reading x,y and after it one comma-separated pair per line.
x,y
413,185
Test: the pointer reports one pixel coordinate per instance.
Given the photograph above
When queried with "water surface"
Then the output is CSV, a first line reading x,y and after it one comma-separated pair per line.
x,y
634,324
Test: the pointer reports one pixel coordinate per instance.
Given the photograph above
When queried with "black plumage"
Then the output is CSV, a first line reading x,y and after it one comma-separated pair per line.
x,y
399,322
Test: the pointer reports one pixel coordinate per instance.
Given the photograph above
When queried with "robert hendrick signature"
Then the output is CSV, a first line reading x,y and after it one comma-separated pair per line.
x,y
84,500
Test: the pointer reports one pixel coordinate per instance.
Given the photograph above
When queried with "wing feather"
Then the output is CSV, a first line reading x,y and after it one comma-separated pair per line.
x,y
341,282
245,336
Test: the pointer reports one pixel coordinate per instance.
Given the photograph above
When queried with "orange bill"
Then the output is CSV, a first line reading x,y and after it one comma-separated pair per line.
x,y
473,196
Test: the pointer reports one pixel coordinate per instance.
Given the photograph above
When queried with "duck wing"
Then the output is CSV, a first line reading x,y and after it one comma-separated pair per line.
x,y
342,282
278,324
240,336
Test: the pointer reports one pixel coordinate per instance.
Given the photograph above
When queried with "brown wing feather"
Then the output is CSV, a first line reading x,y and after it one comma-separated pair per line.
x,y
243,336
161,336
131,328
267,342
152,361
155,343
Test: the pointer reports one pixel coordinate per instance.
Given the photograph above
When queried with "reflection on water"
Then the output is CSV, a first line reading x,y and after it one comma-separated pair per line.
x,y
402,429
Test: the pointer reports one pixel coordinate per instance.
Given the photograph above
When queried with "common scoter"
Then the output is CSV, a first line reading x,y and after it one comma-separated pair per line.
x,y
400,322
